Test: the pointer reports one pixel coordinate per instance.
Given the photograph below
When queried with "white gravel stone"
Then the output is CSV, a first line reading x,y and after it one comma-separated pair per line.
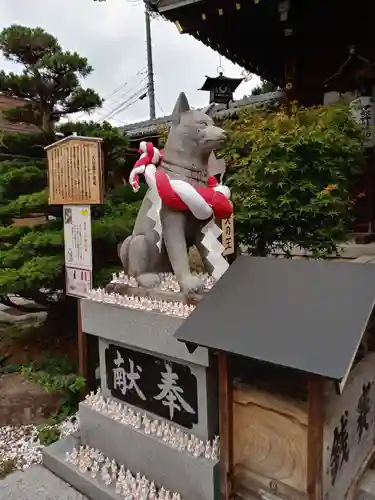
x,y
22,444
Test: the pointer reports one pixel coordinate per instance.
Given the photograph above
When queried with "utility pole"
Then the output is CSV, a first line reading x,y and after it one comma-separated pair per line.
x,y
150,70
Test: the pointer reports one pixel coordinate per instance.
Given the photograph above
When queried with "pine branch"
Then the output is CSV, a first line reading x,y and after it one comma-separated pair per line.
x,y
80,100
20,86
29,113
40,272
27,45
26,204
8,302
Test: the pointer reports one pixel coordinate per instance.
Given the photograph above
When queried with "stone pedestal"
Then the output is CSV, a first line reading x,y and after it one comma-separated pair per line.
x,y
143,367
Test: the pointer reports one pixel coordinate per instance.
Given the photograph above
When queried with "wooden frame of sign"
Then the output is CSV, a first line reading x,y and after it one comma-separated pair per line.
x,y
76,171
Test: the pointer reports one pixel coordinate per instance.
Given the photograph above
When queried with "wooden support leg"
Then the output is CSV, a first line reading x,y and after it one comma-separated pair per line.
x,y
315,438
226,427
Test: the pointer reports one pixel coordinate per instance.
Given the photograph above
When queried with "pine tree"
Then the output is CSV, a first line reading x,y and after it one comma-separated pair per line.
x,y
50,80
32,257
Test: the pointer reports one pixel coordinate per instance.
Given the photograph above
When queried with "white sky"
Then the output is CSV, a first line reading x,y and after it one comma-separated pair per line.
x,y
111,35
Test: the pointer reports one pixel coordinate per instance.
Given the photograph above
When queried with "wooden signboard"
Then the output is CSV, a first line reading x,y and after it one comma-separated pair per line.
x,y
349,431
77,236
227,227
78,282
75,171
78,249
363,112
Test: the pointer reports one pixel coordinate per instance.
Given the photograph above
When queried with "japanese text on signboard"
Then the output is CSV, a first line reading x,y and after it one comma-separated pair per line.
x,y
363,112
167,389
77,236
227,227
75,171
78,282
349,430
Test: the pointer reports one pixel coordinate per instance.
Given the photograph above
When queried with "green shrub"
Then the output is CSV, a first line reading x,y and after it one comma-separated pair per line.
x,y
291,175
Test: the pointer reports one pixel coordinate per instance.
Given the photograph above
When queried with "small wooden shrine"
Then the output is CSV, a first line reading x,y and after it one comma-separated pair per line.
x,y
296,358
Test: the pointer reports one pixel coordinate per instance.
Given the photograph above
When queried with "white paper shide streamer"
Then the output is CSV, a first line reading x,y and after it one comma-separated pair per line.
x,y
215,249
155,200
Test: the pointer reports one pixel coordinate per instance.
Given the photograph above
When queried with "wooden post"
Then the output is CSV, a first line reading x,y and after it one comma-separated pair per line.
x,y
226,427
316,415
370,164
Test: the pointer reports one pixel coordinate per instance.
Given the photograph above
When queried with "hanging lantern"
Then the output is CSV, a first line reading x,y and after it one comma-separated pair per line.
x,y
221,88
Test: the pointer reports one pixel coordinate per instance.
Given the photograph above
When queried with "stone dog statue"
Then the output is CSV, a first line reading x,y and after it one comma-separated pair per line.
x,y
188,157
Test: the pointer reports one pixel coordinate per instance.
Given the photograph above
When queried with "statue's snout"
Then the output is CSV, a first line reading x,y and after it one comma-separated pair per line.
x,y
221,135
219,131
224,135
216,136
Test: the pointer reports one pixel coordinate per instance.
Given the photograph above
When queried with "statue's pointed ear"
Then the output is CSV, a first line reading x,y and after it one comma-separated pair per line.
x,y
181,106
209,109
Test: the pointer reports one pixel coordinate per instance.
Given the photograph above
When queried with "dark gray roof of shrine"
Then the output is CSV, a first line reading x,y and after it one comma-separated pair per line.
x,y
134,130
307,315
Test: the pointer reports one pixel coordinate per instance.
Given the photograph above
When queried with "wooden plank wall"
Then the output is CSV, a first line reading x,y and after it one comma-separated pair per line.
x,y
269,444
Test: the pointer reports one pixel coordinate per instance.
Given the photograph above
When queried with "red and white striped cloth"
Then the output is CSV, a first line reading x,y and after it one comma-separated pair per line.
x,y
202,202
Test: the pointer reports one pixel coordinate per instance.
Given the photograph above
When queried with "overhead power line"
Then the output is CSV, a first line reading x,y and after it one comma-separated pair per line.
x,y
142,72
115,119
158,103
129,102
125,104
133,102
118,108
131,89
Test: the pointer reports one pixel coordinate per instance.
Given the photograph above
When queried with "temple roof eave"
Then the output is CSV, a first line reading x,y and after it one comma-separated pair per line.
x,y
140,129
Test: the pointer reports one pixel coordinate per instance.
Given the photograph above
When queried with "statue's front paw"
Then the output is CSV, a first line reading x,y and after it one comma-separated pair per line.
x,y
148,280
191,284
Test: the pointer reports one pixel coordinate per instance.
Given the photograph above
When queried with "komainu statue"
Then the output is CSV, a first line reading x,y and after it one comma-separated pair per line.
x,y
183,200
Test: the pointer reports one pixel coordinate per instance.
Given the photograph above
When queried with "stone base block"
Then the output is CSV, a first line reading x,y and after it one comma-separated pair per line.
x,y
143,330
194,478
54,460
